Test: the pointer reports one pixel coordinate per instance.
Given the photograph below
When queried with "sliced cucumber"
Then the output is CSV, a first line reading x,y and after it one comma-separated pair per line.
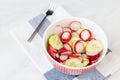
x,y
73,62
94,46
55,41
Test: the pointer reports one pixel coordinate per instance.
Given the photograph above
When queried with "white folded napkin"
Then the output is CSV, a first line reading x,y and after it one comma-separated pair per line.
x,y
35,51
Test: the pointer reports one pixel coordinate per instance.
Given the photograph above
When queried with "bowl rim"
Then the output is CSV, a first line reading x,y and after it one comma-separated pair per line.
x,y
86,67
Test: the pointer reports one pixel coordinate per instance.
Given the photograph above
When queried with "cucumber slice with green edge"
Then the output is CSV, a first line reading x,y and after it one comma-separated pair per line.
x,y
55,41
73,62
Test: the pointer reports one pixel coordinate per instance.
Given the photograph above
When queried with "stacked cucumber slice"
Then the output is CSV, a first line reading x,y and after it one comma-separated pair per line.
x,y
74,45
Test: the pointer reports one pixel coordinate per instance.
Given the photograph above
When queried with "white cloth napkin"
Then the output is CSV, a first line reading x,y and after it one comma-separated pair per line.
x,y
35,52
34,49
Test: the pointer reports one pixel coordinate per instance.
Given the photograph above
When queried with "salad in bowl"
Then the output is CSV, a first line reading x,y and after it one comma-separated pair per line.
x,y
74,45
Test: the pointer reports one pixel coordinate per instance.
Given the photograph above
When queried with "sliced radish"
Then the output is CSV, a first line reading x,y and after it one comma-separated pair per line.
x,y
85,35
78,47
92,62
67,29
73,56
58,29
75,25
52,52
62,50
66,53
63,58
65,36
67,46
92,57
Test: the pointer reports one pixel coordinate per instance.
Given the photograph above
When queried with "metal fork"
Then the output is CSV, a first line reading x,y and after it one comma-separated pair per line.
x,y
49,12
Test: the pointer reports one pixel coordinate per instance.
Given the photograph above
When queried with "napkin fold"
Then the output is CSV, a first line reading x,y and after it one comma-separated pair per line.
x,y
35,51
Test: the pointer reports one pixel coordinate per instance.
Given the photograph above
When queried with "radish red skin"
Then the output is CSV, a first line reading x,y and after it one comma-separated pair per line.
x,y
62,50
90,35
66,53
51,52
64,59
67,29
73,55
65,40
69,46
76,44
93,57
92,62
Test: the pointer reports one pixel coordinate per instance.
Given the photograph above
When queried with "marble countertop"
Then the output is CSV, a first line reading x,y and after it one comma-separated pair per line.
x,y
15,65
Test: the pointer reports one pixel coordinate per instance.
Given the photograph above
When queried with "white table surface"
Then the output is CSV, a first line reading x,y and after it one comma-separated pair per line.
x,y
15,65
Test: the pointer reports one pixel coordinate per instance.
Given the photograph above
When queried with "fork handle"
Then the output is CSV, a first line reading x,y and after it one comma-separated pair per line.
x,y
37,29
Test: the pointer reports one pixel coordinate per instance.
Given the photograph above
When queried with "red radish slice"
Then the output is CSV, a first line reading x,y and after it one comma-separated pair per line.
x,y
67,46
65,36
63,58
92,57
51,51
62,50
78,46
67,29
75,25
66,53
92,62
85,35
73,56
58,29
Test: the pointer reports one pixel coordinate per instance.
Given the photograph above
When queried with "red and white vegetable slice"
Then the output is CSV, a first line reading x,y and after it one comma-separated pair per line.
x,y
92,62
67,29
75,25
73,56
65,36
85,35
67,46
63,58
66,53
93,57
52,52
62,50
78,47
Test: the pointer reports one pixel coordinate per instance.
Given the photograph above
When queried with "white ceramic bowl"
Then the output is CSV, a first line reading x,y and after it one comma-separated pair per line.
x,y
97,32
